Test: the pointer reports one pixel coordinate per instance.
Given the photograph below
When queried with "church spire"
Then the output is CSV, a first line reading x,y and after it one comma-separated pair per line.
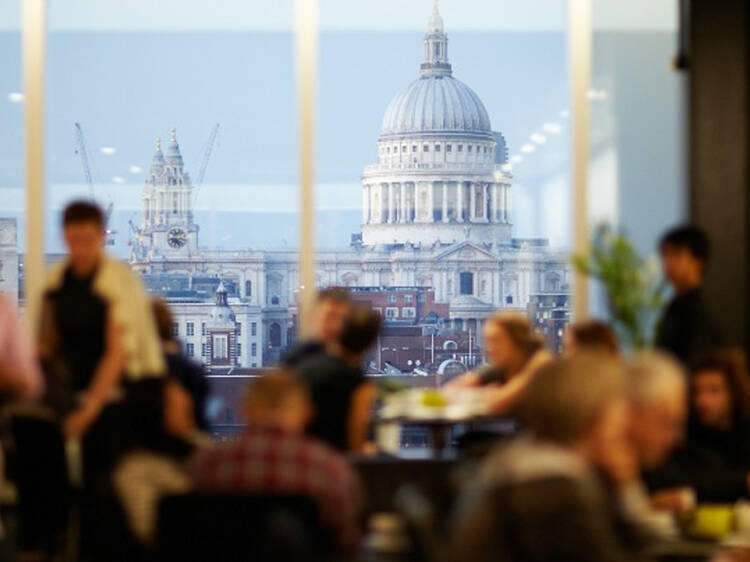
x,y
435,47
157,162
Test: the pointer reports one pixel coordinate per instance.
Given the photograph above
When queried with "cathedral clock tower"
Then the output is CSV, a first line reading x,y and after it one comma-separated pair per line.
x,y
167,231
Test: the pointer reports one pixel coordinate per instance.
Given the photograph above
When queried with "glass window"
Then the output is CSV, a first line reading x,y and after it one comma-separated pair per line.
x,y
466,280
190,349
437,148
239,328
203,328
274,335
253,329
254,349
190,329
426,148
220,346
460,148
391,312
448,148
203,350
408,299
392,298
239,349
175,329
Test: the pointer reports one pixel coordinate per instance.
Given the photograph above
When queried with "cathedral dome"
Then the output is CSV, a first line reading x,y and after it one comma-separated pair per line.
x,y
436,104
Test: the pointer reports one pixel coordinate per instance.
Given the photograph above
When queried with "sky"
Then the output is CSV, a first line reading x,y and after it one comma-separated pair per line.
x,y
127,88
388,15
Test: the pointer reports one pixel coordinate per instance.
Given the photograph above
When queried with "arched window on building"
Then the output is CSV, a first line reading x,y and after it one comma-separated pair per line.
x,y
509,299
248,289
275,300
274,335
466,280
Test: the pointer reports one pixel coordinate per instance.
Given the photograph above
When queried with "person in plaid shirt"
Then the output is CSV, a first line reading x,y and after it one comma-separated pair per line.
x,y
274,455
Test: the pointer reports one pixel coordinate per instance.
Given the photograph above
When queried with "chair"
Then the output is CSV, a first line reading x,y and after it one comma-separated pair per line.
x,y
202,526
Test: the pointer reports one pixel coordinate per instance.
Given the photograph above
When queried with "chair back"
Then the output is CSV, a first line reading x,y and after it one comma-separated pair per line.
x,y
201,526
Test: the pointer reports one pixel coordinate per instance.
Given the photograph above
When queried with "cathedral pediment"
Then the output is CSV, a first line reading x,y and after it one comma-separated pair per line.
x,y
466,251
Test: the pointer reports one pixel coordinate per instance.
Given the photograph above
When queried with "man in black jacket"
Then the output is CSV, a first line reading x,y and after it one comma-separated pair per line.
x,y
686,328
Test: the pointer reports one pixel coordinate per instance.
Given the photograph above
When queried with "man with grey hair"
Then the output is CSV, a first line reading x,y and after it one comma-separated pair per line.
x,y
658,396
658,400
547,496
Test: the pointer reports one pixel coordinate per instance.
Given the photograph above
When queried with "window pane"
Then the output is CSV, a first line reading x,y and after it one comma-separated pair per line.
x,y
637,109
183,126
473,217
12,196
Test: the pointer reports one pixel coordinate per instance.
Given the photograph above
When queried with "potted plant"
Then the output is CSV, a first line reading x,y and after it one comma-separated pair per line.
x,y
632,285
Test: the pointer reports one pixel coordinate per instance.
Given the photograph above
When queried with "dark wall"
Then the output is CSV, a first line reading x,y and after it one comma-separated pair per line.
x,y
718,153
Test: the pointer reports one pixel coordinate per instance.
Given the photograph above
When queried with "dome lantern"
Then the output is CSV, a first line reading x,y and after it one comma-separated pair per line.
x,y
435,47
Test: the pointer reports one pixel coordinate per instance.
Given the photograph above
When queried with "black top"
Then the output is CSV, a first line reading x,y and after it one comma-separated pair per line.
x,y
332,384
80,320
714,463
192,377
686,329
301,352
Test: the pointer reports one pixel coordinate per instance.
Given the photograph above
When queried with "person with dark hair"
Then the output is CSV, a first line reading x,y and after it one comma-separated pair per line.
x,y
342,397
96,320
331,306
593,336
686,328
715,459
190,374
97,339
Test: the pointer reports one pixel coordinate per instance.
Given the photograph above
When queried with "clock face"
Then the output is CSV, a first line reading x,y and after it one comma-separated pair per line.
x,y
176,238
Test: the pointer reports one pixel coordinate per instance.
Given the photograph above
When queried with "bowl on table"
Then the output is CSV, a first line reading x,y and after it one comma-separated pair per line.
x,y
712,522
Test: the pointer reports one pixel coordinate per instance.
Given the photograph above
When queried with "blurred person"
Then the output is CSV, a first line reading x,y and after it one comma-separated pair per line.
x,y
546,496
98,340
715,458
514,353
155,463
342,397
657,391
20,374
99,319
328,313
189,373
686,328
593,336
275,456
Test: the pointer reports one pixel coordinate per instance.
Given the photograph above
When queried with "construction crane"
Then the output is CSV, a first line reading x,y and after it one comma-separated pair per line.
x,y
207,155
84,155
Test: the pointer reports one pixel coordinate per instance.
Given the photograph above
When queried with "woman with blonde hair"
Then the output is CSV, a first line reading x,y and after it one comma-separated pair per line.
x,y
514,354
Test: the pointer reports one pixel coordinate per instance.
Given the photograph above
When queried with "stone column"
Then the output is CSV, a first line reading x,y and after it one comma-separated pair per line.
x,y
416,201
495,201
403,207
472,201
445,201
487,203
431,201
460,201
508,203
391,214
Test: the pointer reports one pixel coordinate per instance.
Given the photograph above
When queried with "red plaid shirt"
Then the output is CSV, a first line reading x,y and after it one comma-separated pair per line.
x,y
273,460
